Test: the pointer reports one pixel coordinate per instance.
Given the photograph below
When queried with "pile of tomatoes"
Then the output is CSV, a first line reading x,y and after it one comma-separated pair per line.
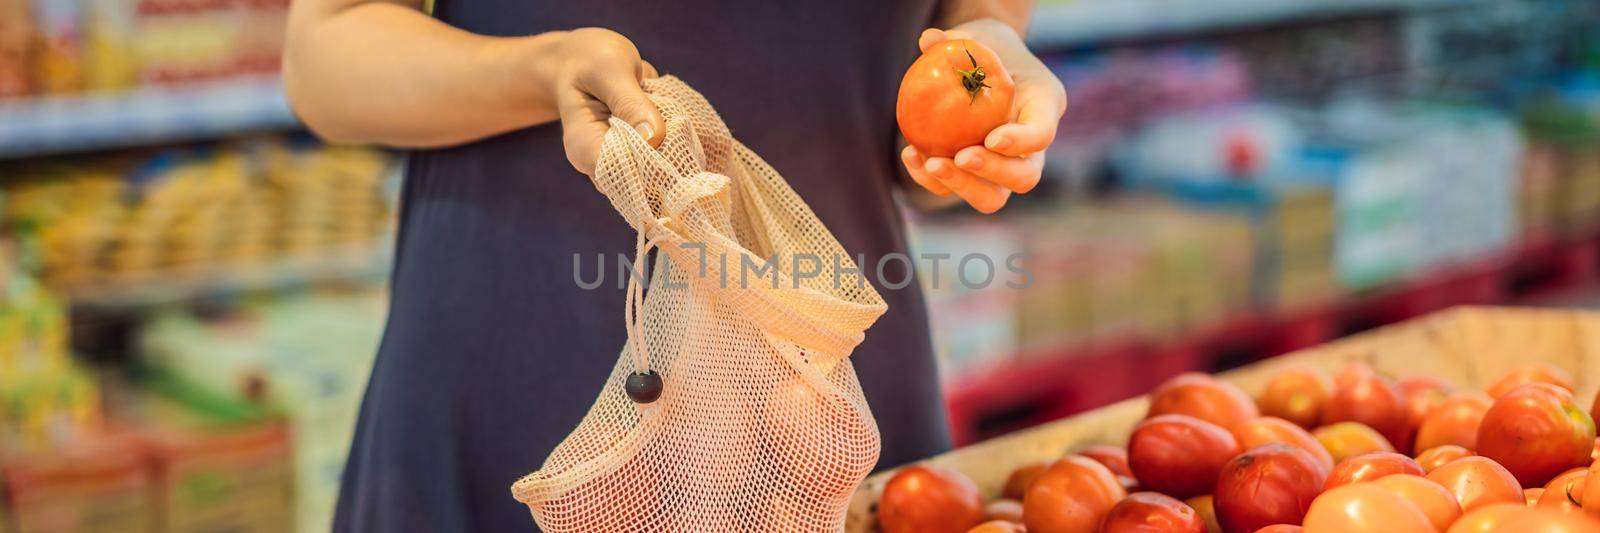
x,y
1360,453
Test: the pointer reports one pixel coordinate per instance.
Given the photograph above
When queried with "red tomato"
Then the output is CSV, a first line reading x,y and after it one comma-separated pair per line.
x,y
1478,482
1269,484
1595,453
1419,404
1281,528
1412,384
1454,422
1115,459
1071,496
1565,492
1489,519
1003,509
1431,498
1536,431
1296,395
1203,397
1439,456
1370,467
1370,399
1203,506
1591,491
1531,373
1349,439
1017,483
1532,495
952,97
998,526
1594,414
1179,455
1266,429
1509,518
1365,508
925,498
1150,512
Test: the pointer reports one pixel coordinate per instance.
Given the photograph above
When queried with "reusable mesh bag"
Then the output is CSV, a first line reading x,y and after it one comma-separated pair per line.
x,y
761,424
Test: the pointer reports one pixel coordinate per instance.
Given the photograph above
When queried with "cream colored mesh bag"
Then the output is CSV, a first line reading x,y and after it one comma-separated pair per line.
x,y
761,424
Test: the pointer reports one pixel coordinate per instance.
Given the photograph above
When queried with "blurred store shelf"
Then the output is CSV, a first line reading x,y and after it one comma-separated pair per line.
x,y
145,116
355,265
1079,22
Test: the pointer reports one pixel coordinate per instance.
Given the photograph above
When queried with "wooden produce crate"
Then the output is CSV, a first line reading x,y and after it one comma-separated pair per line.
x,y
1470,346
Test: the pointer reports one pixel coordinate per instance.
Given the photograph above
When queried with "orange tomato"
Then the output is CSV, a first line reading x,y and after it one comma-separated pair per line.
x,y
1531,373
1203,397
1419,404
926,498
1281,528
1489,519
1412,384
1180,456
1478,482
1269,484
1454,422
1349,439
1366,397
1151,512
1508,518
1594,414
1565,492
1073,495
1296,395
1115,459
1591,492
998,526
952,97
1536,431
1365,508
1431,498
1017,483
1370,467
1532,495
1440,455
1205,507
1003,509
1267,429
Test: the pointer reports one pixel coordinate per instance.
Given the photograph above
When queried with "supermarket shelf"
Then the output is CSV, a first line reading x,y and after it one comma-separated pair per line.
x,y
1079,22
1052,382
152,115
358,264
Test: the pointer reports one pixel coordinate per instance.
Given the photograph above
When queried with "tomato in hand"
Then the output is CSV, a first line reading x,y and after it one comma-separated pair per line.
x,y
1370,467
1150,512
1439,456
1073,495
924,498
1180,456
1531,373
1431,498
952,97
1365,508
1454,422
1349,439
1203,397
1478,482
1296,395
1536,431
1270,484
1266,430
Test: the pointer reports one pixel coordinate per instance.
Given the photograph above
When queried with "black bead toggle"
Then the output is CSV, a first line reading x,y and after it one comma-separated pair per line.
x,y
643,387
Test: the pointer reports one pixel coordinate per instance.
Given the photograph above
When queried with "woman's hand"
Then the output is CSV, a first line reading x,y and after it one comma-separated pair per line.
x,y
598,77
1012,156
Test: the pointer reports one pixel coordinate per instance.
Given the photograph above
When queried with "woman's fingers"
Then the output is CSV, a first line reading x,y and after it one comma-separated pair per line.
x,y
982,195
914,162
930,37
1040,107
619,90
1017,174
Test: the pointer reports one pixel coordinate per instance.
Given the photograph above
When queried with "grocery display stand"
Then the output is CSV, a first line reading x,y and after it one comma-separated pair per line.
x,y
1081,23
1052,382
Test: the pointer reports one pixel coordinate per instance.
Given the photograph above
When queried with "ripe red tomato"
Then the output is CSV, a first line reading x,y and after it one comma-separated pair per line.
x,y
1594,414
1536,431
1269,484
1150,512
1419,404
805,432
1591,492
1203,397
1115,459
1365,508
1203,506
1296,395
1372,400
1349,439
998,526
926,498
1003,509
1439,456
1565,492
1266,430
1532,495
1431,498
952,97
1513,518
1489,519
1478,482
1281,528
1412,384
1178,455
1531,373
1370,467
1454,422
1017,483
1073,495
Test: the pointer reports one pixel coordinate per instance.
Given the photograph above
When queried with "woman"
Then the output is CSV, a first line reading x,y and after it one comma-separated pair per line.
x,y
492,353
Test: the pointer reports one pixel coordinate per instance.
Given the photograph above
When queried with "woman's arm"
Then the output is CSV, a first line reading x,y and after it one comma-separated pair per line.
x,y
381,71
